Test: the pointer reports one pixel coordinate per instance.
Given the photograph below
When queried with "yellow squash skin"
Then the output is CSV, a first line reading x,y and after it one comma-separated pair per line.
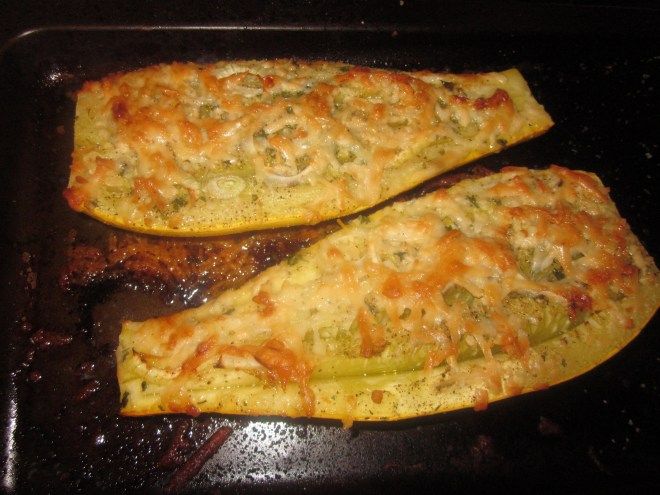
x,y
199,150
495,287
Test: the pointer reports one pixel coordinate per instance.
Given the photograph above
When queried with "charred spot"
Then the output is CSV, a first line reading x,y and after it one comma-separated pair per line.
x,y
189,469
578,302
179,446
119,110
87,390
448,85
46,339
498,98
269,82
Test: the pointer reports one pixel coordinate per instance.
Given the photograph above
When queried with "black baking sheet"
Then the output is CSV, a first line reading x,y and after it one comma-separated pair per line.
x,y
598,432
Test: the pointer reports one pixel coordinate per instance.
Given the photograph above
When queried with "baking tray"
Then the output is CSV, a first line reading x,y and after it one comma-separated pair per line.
x,y
598,432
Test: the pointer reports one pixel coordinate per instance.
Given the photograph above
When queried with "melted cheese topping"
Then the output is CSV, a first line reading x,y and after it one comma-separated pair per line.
x,y
490,267
187,149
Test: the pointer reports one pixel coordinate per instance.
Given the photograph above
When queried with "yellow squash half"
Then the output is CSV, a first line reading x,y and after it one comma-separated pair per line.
x,y
197,150
494,287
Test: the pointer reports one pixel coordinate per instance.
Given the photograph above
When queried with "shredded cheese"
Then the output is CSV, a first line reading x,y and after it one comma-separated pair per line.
x,y
408,288
235,146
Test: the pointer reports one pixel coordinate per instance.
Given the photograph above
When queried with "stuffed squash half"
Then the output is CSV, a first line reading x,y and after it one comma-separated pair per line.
x,y
198,150
492,288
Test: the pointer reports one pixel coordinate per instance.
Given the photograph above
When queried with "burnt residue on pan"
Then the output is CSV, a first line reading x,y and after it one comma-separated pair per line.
x,y
195,269
191,268
72,280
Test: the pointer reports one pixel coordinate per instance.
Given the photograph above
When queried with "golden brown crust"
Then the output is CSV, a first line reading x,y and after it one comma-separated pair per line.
x,y
185,149
494,287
